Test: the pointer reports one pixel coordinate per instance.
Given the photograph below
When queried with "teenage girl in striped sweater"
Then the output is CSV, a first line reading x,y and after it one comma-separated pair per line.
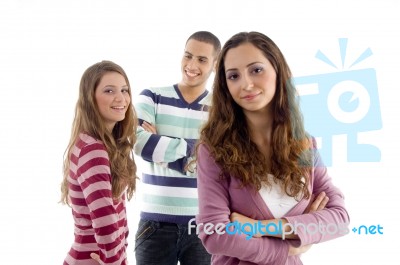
x,y
99,170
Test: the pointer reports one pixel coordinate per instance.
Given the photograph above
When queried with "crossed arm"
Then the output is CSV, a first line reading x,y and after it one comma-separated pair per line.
x,y
215,198
167,151
318,204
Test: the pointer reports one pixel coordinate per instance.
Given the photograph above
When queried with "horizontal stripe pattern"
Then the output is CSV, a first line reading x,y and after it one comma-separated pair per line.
x,y
169,192
169,201
169,210
182,192
100,221
175,111
171,99
169,181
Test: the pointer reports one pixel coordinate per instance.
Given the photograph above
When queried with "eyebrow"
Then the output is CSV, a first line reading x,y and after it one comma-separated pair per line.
x,y
124,86
250,64
200,56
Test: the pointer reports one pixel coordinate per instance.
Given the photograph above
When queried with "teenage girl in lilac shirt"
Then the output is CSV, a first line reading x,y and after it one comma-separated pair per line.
x,y
258,166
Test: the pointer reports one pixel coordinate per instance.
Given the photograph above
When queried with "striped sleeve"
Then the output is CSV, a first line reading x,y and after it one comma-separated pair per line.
x,y
154,147
95,181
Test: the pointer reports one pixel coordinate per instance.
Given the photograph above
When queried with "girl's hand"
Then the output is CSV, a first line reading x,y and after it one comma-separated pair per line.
x,y
240,218
319,203
96,257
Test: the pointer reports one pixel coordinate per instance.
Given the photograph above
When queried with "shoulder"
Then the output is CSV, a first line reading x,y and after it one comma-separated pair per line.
x,y
155,94
203,149
158,90
310,143
317,161
90,145
205,157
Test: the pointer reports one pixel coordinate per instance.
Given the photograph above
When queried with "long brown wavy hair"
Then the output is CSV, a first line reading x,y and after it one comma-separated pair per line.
x,y
119,143
227,135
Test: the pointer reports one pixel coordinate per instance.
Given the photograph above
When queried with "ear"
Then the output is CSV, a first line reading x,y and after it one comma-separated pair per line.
x,y
215,65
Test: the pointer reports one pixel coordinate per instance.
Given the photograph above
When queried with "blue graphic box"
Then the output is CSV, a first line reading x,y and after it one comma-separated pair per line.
x,y
345,102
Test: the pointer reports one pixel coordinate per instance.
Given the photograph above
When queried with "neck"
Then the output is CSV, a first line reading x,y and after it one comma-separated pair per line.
x,y
110,127
191,93
260,129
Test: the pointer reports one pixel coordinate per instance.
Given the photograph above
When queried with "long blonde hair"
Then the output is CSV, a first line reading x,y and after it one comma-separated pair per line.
x,y
227,136
119,143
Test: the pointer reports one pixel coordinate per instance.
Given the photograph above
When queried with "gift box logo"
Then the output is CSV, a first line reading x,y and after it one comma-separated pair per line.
x,y
344,102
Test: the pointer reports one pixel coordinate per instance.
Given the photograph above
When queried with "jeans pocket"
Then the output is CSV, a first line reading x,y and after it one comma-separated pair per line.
x,y
145,230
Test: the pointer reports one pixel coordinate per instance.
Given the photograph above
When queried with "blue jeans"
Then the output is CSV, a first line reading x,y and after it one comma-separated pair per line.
x,y
160,243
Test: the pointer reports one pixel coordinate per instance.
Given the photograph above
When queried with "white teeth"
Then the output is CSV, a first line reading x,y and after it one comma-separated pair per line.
x,y
191,74
117,107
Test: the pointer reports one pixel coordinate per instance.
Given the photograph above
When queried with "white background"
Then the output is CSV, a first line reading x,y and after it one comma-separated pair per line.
x,y
46,45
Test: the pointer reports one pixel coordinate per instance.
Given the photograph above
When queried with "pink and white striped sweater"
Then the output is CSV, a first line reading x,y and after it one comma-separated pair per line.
x,y
100,221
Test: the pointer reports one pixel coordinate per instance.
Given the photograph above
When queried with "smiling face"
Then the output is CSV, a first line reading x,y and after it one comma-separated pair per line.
x,y
112,98
197,63
250,77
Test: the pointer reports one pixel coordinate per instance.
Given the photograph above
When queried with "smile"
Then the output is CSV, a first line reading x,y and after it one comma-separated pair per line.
x,y
251,96
191,74
119,109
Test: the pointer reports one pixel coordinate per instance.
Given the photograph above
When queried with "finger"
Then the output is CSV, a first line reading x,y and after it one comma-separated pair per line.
x,y
233,216
306,248
95,257
152,128
145,125
321,196
317,202
323,203
148,127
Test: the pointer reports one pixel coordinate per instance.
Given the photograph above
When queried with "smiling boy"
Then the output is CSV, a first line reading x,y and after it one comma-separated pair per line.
x,y
170,119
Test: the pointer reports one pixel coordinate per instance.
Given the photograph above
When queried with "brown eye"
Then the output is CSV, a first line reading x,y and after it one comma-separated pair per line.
x,y
232,76
257,70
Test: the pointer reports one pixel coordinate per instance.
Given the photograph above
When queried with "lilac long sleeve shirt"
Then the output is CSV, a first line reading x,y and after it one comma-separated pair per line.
x,y
219,198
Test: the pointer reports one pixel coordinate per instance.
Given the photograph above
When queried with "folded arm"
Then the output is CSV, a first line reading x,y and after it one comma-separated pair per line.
x,y
173,152
327,214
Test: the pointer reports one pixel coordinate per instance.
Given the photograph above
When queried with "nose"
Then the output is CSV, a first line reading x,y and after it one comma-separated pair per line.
x,y
191,64
247,82
119,96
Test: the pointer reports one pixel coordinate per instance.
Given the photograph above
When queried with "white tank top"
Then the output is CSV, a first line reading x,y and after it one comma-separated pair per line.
x,y
278,202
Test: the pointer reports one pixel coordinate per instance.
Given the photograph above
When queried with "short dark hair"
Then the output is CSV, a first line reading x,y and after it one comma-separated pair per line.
x,y
207,37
